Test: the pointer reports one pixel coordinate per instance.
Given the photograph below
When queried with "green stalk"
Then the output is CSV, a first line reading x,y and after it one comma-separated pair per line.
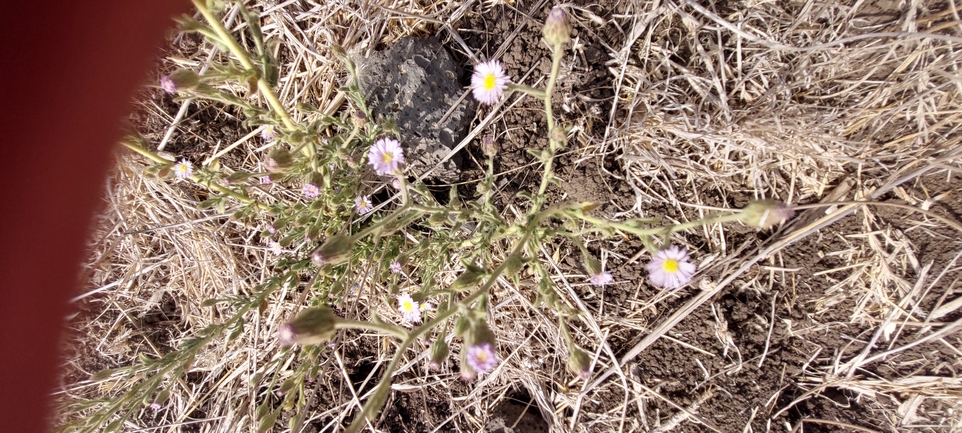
x,y
599,222
384,385
556,54
245,61
243,198
371,326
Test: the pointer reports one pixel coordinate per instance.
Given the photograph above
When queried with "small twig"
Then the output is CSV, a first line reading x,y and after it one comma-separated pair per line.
x,y
771,327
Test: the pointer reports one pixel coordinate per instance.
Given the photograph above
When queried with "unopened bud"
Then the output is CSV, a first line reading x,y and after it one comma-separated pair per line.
x,y
359,118
766,213
488,146
277,161
558,135
579,364
334,250
311,326
184,79
470,278
439,353
557,28
479,333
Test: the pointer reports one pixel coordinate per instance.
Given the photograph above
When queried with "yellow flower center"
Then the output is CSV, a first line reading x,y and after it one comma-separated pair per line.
x,y
489,82
670,265
407,306
482,356
387,157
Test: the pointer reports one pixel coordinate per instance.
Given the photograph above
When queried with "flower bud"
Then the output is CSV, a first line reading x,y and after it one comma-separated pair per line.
x,y
766,213
311,326
557,28
470,278
558,135
277,160
334,250
479,333
181,79
359,118
579,364
488,146
439,352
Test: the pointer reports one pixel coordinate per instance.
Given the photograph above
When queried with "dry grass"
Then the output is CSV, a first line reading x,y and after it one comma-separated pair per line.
x,y
808,102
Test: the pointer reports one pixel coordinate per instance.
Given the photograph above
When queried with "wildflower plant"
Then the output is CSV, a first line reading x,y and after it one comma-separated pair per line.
x,y
324,233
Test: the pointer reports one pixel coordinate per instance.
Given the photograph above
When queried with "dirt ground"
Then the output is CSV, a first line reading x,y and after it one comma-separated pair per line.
x,y
765,354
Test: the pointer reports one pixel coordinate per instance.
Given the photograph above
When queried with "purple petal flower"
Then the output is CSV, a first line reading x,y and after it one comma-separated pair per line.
x,y
481,358
489,82
601,278
385,156
168,85
310,190
409,309
183,169
363,204
670,269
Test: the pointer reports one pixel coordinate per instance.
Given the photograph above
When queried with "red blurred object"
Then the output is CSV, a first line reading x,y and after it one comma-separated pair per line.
x,y
69,70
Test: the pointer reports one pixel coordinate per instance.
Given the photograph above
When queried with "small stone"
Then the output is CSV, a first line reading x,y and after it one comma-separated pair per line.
x,y
415,82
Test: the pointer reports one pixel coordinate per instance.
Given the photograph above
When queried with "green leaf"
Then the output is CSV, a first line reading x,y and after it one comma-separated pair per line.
x,y
211,202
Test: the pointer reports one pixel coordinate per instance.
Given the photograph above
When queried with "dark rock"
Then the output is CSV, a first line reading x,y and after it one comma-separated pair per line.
x,y
416,83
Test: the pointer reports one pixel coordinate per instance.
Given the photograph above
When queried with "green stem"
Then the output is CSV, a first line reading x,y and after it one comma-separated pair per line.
x,y
245,61
384,385
537,93
243,198
371,326
627,228
556,55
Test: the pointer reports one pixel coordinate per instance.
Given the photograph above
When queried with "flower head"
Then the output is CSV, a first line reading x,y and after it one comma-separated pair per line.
x,y
183,169
439,351
409,309
385,156
766,213
334,250
363,204
396,267
267,133
579,363
489,82
670,268
168,85
310,190
314,325
488,146
481,357
557,28
277,160
601,278
275,248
